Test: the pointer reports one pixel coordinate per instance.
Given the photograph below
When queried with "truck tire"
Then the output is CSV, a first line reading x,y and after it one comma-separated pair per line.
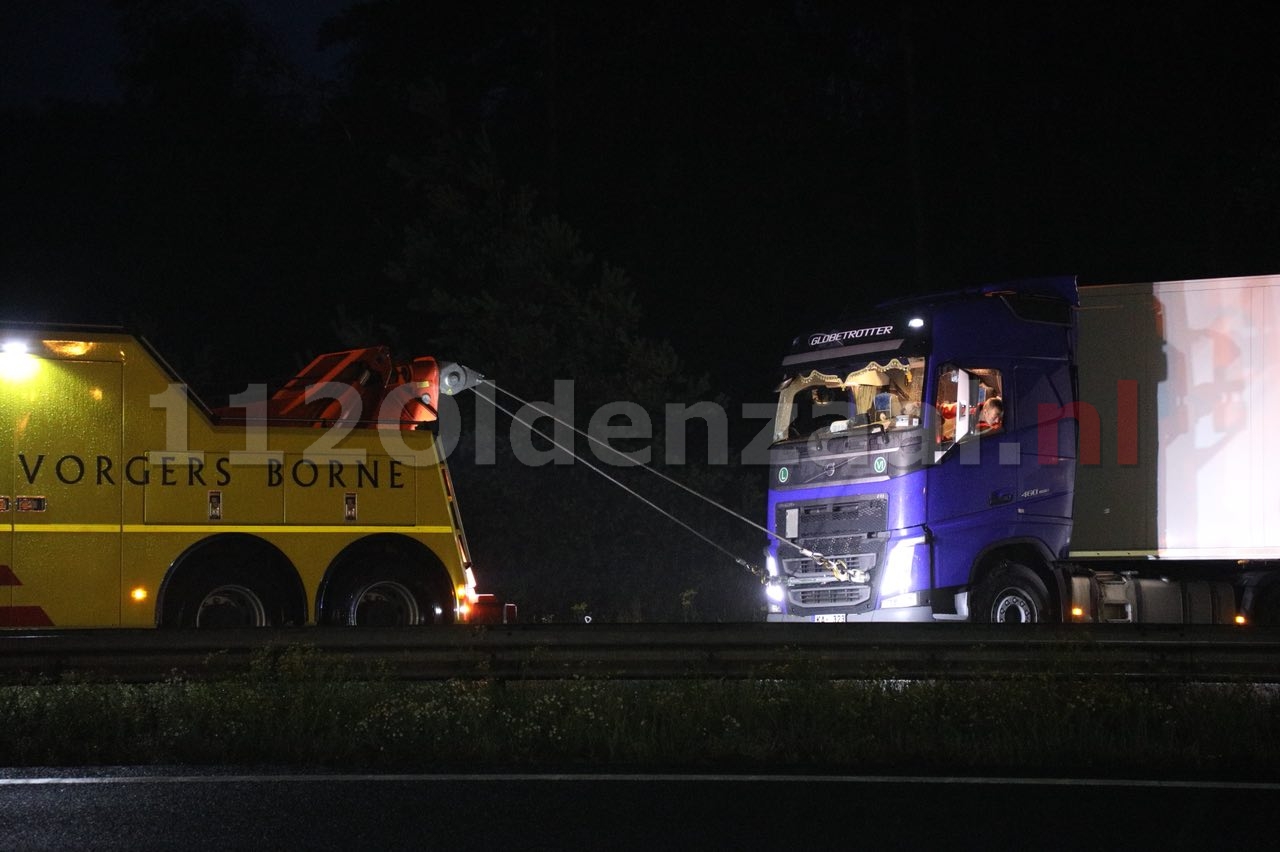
x,y
230,605
226,597
1011,594
386,594
232,580
1266,607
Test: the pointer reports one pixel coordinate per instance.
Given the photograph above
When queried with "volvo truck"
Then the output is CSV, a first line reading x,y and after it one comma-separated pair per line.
x,y
1038,451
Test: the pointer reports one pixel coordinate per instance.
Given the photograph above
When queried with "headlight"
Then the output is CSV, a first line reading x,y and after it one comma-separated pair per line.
x,y
897,570
773,592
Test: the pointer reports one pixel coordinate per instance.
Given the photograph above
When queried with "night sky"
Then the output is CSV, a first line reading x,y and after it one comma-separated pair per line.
x,y
560,189
753,167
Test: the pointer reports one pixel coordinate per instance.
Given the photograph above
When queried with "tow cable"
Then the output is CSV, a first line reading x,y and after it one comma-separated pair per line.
x,y
837,567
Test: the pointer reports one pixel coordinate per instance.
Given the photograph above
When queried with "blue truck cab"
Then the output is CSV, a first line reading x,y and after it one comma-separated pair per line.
x,y
909,476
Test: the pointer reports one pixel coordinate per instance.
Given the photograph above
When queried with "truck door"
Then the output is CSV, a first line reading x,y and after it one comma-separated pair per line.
x,y
971,485
66,446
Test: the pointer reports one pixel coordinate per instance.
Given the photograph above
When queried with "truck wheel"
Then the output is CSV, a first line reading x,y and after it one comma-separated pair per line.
x,y
231,606
1011,594
1266,609
223,599
232,581
383,603
390,595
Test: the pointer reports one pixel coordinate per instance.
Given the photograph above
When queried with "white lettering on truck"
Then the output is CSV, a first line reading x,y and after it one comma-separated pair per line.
x,y
851,334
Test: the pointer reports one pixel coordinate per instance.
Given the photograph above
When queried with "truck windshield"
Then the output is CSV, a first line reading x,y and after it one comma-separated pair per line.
x,y
832,398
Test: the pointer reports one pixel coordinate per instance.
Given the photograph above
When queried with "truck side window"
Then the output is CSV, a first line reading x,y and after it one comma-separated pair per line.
x,y
970,403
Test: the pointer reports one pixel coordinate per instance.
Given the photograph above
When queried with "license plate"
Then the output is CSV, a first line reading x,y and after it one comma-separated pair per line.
x,y
834,617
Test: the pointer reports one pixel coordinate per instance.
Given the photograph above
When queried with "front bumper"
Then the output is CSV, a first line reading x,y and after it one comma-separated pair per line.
x,y
904,614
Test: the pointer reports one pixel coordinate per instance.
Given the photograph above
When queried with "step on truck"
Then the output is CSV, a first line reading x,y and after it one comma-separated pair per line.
x,y
124,501
1033,451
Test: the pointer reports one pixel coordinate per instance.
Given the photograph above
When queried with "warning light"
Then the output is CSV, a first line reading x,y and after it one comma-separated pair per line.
x,y
464,610
139,594
1240,619
1077,612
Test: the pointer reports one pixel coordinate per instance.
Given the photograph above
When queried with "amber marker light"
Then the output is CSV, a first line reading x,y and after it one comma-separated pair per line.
x,y
1240,619
68,348
139,594
1077,612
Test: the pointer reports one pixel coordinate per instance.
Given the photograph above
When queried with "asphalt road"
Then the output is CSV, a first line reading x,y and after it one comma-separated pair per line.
x,y
192,810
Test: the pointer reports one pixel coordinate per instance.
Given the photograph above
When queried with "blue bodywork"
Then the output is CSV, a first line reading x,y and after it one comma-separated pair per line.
x,y
905,519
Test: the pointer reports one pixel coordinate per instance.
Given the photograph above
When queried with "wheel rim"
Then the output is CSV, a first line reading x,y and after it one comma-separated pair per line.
x,y
385,604
231,606
1011,606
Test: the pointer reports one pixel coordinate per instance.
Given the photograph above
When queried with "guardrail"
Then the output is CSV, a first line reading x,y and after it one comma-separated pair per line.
x,y
950,651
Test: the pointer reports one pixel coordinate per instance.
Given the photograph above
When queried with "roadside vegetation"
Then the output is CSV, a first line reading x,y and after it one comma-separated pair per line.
x,y
295,709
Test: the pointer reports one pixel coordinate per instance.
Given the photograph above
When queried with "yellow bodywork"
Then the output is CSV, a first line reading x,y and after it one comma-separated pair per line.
x,y
108,473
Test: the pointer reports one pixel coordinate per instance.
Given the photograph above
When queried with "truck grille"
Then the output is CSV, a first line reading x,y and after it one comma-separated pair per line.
x,y
835,518
810,569
831,596
848,529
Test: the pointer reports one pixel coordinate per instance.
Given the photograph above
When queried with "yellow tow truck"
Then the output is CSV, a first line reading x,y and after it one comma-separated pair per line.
x,y
124,501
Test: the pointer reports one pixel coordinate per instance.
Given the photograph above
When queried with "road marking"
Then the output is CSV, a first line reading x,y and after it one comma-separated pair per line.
x,y
957,780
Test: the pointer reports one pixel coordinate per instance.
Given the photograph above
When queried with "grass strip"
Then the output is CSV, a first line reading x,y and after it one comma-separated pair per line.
x,y
297,708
